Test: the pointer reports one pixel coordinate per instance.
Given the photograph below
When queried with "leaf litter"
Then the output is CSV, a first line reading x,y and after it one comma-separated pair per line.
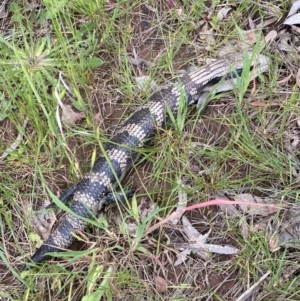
x,y
293,18
197,244
249,209
16,143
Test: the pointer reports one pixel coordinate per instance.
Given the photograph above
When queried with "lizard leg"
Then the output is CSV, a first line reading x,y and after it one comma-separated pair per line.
x,y
64,197
119,196
113,197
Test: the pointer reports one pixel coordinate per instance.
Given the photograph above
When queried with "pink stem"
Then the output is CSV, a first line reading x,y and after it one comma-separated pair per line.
x,y
214,202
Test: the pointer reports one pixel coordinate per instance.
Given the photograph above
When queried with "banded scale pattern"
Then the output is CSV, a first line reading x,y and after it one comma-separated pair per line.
x,y
121,152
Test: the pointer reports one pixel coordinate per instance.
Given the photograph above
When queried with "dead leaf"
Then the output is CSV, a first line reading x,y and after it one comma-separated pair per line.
x,y
145,208
245,228
170,4
151,8
198,244
222,13
269,22
298,78
226,50
288,233
252,25
259,104
69,116
44,221
271,36
98,117
292,17
292,20
284,45
3,9
204,30
294,8
274,243
131,227
252,290
182,202
295,28
16,143
261,225
161,284
285,80
229,210
210,38
182,256
250,37
145,81
192,233
253,209
225,250
178,12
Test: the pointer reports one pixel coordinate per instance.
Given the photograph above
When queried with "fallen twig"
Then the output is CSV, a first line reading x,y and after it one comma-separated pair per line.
x,y
214,202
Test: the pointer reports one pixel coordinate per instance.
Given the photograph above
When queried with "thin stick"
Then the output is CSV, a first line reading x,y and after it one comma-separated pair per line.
x,y
215,202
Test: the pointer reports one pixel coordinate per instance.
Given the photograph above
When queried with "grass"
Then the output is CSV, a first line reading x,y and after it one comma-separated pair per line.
x,y
239,144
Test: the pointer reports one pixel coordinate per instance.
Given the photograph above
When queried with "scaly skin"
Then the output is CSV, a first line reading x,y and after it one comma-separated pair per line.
x,y
122,152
